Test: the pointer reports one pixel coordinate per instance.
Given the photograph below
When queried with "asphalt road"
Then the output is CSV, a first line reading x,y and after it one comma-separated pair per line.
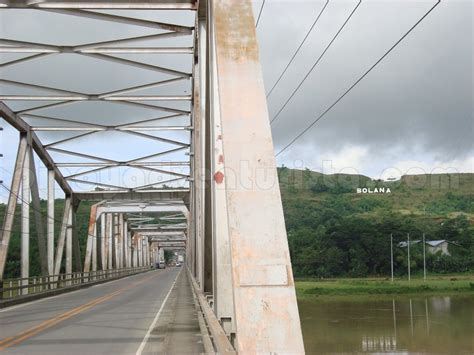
x,y
111,318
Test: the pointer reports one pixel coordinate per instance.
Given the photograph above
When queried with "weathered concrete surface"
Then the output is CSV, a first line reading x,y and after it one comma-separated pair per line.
x,y
177,330
266,311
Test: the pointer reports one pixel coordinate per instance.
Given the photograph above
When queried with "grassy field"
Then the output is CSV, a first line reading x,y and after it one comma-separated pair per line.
x,y
381,286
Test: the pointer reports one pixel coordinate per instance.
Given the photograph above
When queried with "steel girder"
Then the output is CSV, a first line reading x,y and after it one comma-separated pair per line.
x,y
109,51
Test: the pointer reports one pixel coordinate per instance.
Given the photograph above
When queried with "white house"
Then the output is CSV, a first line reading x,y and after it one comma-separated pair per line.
x,y
435,246
432,246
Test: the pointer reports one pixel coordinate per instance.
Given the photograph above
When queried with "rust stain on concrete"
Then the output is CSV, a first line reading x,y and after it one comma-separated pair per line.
x,y
219,177
236,30
221,159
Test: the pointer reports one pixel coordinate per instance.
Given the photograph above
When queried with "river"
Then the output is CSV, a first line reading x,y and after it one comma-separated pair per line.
x,y
440,324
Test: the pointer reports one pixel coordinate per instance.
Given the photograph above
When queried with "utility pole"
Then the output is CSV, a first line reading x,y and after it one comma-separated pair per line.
x,y
424,258
408,248
391,254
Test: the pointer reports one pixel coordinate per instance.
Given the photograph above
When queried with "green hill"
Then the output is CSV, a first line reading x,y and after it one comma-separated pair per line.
x,y
335,231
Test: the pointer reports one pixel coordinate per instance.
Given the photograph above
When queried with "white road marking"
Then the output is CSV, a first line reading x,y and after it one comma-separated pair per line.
x,y
155,320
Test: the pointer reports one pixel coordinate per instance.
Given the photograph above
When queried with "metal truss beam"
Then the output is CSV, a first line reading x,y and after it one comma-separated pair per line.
x,y
104,5
18,123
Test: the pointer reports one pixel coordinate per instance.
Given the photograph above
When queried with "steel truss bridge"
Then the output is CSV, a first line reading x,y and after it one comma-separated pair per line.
x,y
193,132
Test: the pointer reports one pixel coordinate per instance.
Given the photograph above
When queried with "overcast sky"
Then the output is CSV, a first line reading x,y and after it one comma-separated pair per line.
x,y
412,114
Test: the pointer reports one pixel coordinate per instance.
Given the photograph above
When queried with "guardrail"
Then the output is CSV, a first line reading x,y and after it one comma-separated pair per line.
x,y
12,288
218,337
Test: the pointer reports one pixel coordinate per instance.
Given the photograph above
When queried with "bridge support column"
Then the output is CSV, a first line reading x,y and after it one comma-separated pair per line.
x,y
103,260
62,236
120,237
69,231
140,250
91,244
265,307
109,240
125,244
50,222
36,204
25,222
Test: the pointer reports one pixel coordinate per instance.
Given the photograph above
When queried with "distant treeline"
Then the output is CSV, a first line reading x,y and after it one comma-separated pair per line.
x,y
332,231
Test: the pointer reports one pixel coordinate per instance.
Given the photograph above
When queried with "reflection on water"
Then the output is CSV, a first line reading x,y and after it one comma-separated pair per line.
x,y
412,325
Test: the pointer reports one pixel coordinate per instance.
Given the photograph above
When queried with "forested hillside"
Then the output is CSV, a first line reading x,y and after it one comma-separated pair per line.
x,y
335,231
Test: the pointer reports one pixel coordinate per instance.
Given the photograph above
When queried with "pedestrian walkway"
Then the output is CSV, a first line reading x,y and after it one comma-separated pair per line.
x,y
177,330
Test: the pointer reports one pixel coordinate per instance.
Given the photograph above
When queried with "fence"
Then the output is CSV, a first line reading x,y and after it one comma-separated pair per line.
x,y
11,288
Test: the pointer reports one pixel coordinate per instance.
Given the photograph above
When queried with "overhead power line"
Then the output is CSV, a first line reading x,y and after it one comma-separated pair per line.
x,y
358,80
316,62
260,13
298,49
29,204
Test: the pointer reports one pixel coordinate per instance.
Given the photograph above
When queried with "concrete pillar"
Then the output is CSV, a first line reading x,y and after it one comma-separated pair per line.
x,y
25,223
262,280
134,251
50,222
69,241
129,248
103,236
62,236
125,244
139,250
147,251
94,249
110,233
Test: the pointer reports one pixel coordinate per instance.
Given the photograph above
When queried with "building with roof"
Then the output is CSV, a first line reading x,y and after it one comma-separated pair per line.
x,y
432,246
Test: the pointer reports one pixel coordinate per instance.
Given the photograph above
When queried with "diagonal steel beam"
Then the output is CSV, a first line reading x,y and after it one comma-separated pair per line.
x,y
164,140
82,155
141,87
24,59
139,188
139,65
153,107
42,87
8,219
128,40
21,112
62,120
17,122
148,120
46,146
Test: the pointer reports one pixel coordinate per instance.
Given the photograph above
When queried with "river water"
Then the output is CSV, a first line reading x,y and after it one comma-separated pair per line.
x,y
440,324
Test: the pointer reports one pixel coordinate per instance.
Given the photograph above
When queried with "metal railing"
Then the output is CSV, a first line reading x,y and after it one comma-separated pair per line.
x,y
11,288
219,339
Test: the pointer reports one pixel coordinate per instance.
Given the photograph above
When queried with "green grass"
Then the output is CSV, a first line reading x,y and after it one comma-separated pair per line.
x,y
380,286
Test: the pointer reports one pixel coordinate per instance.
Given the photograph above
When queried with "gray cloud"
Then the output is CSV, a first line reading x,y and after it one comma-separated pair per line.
x,y
416,105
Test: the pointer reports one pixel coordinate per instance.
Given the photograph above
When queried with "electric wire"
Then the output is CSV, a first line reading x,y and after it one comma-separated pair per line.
x,y
29,204
260,13
358,80
298,49
316,62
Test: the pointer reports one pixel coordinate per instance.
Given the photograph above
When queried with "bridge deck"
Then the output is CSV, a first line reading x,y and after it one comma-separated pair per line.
x,y
112,318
